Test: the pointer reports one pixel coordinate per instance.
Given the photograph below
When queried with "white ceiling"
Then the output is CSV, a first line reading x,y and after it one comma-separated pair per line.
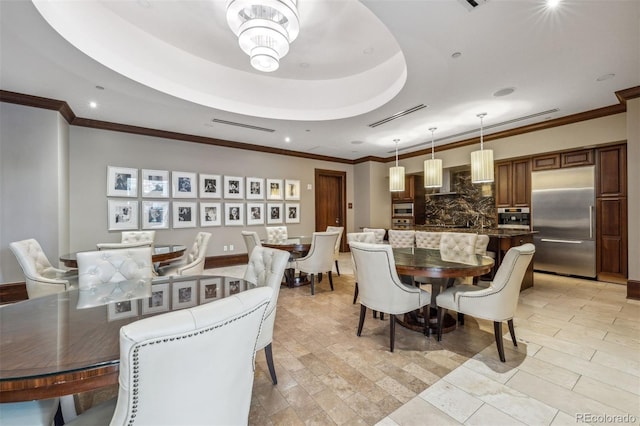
x,y
176,66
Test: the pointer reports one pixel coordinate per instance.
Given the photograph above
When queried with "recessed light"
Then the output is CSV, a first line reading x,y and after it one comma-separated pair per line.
x,y
93,104
605,77
504,92
553,3
287,139
456,55
308,130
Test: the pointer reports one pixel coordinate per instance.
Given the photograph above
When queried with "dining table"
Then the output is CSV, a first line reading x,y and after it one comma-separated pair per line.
x,y
442,272
69,342
297,248
161,253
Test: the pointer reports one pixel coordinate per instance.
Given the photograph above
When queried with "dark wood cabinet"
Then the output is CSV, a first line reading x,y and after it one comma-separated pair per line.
x,y
500,245
577,158
545,162
513,183
414,192
611,213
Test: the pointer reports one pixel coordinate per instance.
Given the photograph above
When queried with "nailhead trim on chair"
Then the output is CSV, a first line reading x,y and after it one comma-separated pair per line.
x,y
136,356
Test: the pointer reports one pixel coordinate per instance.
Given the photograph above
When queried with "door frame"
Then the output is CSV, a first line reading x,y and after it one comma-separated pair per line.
x,y
343,208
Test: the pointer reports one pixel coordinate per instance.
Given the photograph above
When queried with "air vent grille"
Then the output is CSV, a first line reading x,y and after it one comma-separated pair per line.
x,y
491,126
398,115
246,126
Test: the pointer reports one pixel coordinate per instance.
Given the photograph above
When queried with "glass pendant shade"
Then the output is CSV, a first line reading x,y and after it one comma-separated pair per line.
x,y
396,179
482,166
433,173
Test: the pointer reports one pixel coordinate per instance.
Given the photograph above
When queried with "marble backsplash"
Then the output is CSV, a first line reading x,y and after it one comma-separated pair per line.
x,y
472,205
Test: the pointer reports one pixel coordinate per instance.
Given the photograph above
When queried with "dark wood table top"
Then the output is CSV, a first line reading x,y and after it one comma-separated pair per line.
x,y
424,262
68,342
161,253
291,244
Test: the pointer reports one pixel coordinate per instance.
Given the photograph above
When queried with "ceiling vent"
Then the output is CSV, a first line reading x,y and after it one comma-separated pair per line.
x,y
485,127
398,115
246,126
471,4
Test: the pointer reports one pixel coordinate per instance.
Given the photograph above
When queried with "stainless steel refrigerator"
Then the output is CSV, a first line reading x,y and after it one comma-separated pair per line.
x,y
563,213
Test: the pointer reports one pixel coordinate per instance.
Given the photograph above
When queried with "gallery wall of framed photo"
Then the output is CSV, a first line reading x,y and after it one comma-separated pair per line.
x,y
163,199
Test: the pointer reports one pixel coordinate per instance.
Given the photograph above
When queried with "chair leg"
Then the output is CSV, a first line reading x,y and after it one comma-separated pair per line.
x,y
355,294
440,321
363,313
512,331
460,318
381,316
337,268
425,317
330,280
272,369
375,314
497,330
392,332
320,277
313,287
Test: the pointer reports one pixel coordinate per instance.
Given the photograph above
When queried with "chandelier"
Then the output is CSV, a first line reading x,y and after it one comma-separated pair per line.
x,y
396,174
482,161
264,28
432,168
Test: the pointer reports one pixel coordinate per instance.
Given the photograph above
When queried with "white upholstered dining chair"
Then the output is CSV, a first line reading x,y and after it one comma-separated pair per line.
x,y
381,288
193,262
251,240
277,233
402,238
336,251
41,277
378,232
359,237
187,367
266,269
458,246
319,259
107,266
130,239
496,303
427,239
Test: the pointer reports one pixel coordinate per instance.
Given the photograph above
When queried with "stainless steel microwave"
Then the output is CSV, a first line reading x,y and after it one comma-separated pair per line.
x,y
402,209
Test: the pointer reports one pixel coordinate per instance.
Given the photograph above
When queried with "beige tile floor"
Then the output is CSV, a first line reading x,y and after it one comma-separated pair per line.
x,y
577,359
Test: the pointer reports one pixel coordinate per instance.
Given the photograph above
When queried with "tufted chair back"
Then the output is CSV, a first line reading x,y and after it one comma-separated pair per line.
x,y
277,233
458,246
107,266
138,237
41,277
339,230
481,244
251,240
429,240
380,287
116,246
399,239
320,256
378,232
266,269
359,237
193,262
188,367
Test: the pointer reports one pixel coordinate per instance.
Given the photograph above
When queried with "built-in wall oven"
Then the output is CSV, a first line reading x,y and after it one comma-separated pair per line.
x,y
514,218
402,223
402,209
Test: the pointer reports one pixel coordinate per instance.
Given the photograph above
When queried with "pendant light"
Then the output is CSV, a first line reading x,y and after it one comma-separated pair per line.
x,y
396,174
482,161
432,168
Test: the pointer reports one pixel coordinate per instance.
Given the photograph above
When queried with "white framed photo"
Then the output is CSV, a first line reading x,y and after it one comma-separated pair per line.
x,y
255,188
255,213
292,211
184,185
274,213
210,289
122,182
122,214
233,286
155,215
274,189
234,214
120,310
159,300
233,187
184,214
210,186
291,189
210,214
184,294
155,183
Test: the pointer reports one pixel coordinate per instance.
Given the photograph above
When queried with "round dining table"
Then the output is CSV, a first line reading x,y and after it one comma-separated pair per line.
x,y
442,273
161,253
69,342
297,248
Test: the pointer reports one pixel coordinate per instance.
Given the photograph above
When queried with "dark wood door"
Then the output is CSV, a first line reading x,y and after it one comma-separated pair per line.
x,y
331,194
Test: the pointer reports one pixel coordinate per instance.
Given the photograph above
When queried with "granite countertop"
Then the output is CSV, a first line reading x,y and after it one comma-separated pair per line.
x,y
492,232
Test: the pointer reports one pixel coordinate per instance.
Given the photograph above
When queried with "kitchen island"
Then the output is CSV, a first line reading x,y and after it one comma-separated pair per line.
x,y
500,241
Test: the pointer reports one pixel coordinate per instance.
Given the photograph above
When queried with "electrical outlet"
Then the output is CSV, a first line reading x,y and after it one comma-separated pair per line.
x,y
231,247
225,248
